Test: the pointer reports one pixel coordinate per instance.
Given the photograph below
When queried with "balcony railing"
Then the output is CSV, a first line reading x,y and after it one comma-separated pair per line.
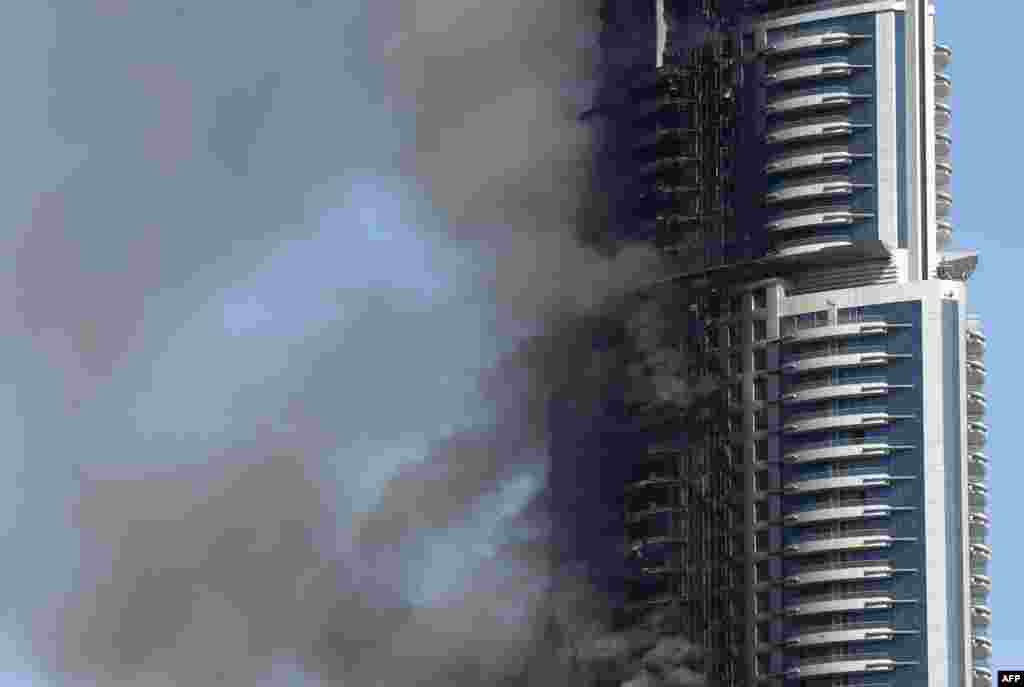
x,y
838,596
841,565
838,503
820,414
813,536
833,658
833,627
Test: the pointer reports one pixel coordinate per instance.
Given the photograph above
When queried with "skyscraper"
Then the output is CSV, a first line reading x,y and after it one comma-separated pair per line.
x,y
810,496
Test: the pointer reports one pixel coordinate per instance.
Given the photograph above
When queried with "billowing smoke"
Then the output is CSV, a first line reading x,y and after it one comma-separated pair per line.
x,y
308,280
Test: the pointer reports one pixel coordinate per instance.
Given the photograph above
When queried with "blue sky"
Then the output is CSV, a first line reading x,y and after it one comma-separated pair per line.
x,y
986,51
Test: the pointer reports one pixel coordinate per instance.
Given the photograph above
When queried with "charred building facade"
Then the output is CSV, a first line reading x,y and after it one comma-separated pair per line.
x,y
801,462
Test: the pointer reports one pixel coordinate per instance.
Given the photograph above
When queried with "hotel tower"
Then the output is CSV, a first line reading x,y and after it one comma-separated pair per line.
x,y
812,499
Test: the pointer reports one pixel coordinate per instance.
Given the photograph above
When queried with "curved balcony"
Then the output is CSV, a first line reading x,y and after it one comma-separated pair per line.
x,y
824,362
811,486
814,244
943,203
943,147
653,481
840,603
840,572
982,676
833,513
844,665
981,582
804,162
836,391
813,422
944,230
943,57
821,217
812,131
943,117
838,69
818,41
975,374
977,494
981,614
976,342
836,331
976,403
982,646
871,539
817,454
790,103
982,551
943,174
980,519
943,86
813,190
977,466
977,435
834,634
639,543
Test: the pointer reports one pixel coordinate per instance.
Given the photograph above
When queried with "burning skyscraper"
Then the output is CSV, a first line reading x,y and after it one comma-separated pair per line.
x,y
799,452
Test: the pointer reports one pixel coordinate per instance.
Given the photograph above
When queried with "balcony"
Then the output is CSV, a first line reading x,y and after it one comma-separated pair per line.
x,y
805,162
943,117
944,231
806,219
977,404
813,131
977,494
838,69
977,464
981,582
981,614
833,513
943,57
975,374
834,634
818,422
839,603
982,646
815,453
980,519
830,391
653,481
819,41
835,331
870,478
976,342
840,572
982,676
982,551
943,87
867,539
943,203
844,665
812,244
811,190
977,435
789,104
943,147
943,174
834,360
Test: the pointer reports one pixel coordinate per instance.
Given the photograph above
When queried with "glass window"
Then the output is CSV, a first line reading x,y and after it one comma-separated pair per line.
x,y
736,304
735,363
735,394
762,480
760,420
761,511
764,571
850,315
760,330
760,359
762,541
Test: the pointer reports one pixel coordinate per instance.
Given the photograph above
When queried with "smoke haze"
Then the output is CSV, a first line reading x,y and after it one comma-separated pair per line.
x,y
291,288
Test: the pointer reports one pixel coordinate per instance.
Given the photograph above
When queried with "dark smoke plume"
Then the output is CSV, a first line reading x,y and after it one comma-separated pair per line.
x,y
218,573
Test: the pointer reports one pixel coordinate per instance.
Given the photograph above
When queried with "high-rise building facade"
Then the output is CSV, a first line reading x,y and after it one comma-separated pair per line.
x,y
812,497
